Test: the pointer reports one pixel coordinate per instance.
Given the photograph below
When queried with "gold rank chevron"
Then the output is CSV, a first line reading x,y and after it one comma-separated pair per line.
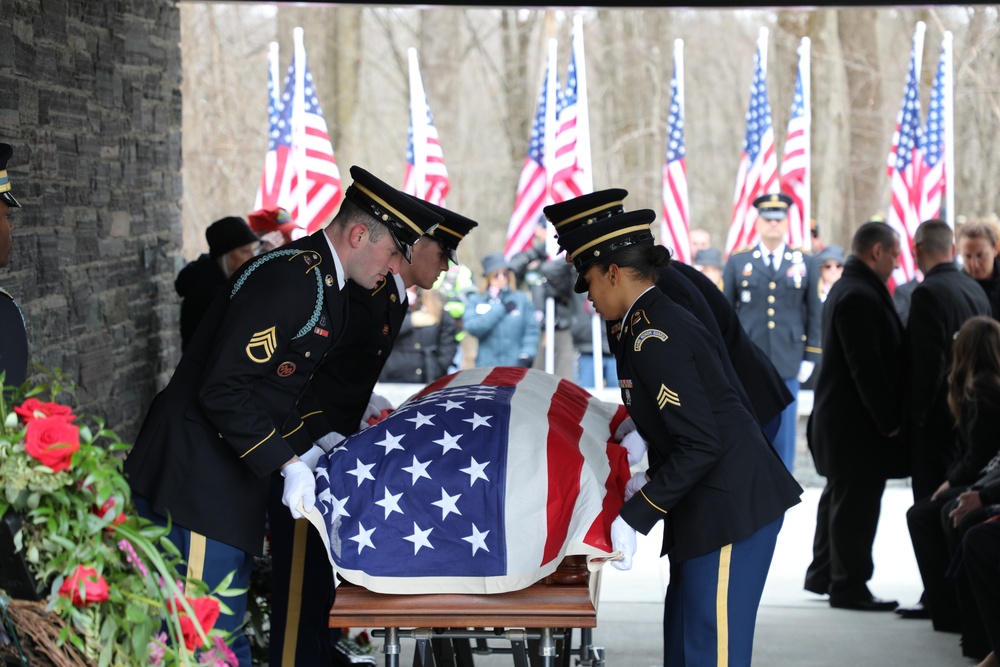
x,y
267,341
667,396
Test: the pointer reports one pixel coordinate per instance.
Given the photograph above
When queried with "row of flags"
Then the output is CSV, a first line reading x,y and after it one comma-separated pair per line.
x,y
300,171
919,165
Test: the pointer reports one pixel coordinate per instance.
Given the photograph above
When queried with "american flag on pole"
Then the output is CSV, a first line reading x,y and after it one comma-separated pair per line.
x,y
425,175
532,186
932,144
481,483
758,170
302,177
904,209
675,225
567,172
275,181
796,170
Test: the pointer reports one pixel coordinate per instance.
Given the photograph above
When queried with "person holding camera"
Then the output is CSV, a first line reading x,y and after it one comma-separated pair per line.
x,y
502,318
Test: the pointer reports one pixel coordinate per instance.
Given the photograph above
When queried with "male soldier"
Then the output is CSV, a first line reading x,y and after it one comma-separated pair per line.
x,y
775,291
227,420
13,337
302,589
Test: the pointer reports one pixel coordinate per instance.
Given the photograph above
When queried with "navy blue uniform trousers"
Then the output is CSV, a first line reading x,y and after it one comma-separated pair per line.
x,y
712,600
211,562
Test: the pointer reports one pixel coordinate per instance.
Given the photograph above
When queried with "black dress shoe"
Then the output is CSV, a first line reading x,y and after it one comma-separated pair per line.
x,y
916,611
869,603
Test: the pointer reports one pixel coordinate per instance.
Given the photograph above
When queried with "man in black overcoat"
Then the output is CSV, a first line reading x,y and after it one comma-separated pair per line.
x,y
854,429
940,304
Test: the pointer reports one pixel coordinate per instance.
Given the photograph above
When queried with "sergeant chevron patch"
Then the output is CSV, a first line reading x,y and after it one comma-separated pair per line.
x,y
667,396
263,344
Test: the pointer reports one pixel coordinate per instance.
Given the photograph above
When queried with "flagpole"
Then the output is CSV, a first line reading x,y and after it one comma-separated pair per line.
x,y
550,126
583,112
805,70
298,111
418,105
949,131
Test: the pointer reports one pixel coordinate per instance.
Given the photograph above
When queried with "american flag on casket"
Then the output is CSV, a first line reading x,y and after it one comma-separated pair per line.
x,y
480,483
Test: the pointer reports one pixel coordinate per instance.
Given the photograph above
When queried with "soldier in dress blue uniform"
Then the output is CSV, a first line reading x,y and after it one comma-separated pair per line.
x,y
13,337
341,398
765,390
713,479
228,419
775,291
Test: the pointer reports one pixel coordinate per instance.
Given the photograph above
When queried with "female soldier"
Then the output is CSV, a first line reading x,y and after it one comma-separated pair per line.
x,y
713,479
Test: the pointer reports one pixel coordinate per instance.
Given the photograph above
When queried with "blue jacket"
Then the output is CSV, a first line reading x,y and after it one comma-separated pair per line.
x,y
505,326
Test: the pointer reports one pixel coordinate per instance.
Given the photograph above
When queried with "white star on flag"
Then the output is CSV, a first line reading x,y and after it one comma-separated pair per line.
x,y
477,421
362,471
390,503
390,442
477,540
474,471
419,538
451,405
338,507
417,470
364,537
448,442
421,420
448,504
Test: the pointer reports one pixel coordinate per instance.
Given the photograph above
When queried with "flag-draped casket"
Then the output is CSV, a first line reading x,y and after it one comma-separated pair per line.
x,y
480,483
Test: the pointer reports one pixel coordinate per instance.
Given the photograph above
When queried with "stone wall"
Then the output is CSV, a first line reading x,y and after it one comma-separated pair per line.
x,y
90,99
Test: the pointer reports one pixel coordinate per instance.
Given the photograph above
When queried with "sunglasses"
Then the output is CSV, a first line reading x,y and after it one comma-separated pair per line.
x,y
838,265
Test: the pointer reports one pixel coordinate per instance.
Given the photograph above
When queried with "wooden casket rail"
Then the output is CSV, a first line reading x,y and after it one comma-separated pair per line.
x,y
562,600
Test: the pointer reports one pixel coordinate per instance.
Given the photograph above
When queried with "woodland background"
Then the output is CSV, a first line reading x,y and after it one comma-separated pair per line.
x,y
482,69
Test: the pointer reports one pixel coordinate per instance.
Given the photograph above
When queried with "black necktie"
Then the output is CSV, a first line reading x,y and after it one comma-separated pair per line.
x,y
767,259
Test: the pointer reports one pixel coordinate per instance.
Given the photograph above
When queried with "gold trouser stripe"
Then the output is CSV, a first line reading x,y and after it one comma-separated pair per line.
x,y
722,605
196,556
295,592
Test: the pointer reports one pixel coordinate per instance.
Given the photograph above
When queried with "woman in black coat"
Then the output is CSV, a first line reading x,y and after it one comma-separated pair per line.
x,y
426,344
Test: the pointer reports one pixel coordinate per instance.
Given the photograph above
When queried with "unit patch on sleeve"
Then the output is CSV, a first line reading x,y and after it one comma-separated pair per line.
x,y
262,345
667,396
647,334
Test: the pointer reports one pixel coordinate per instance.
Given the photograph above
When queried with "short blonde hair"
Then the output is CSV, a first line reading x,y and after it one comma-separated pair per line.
x,y
982,228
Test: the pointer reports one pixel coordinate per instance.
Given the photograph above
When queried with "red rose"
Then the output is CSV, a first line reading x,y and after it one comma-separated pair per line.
x,y
52,441
206,610
95,589
33,409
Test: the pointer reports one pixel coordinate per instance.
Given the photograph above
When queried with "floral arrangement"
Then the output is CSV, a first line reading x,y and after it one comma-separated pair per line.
x,y
111,576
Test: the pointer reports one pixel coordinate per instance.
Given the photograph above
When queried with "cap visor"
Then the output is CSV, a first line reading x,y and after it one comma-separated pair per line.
x,y
8,199
403,247
581,285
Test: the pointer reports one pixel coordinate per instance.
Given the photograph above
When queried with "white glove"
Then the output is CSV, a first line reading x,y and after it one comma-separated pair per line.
x,y
623,540
300,485
376,404
312,457
626,427
637,481
329,441
636,447
805,370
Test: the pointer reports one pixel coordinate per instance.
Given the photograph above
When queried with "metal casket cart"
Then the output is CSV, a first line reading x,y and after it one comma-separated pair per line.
x,y
535,625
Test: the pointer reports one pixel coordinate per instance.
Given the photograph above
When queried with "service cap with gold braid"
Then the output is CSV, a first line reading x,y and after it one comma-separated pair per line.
x,y
406,217
585,209
6,151
602,238
773,206
452,229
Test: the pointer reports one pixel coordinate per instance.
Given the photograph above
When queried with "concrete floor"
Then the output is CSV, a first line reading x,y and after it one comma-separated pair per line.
x,y
794,627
